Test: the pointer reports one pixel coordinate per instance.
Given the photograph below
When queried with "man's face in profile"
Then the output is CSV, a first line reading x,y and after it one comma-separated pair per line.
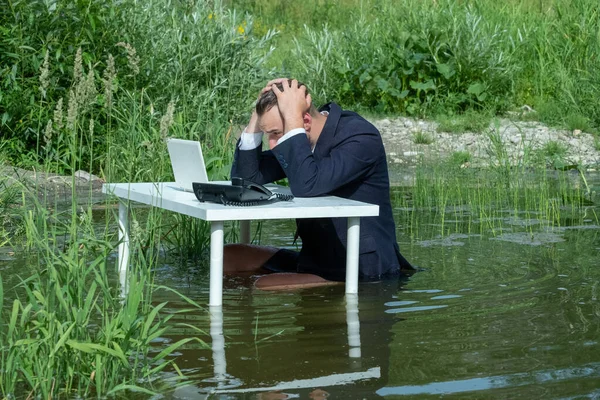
x,y
271,124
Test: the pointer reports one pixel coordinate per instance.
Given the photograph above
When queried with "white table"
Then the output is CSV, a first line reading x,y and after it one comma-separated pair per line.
x,y
165,195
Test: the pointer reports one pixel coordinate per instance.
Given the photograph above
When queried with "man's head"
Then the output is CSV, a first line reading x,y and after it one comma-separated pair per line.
x,y
270,120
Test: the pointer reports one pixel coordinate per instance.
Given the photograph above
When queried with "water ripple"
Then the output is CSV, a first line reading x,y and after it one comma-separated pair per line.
x,y
494,382
412,309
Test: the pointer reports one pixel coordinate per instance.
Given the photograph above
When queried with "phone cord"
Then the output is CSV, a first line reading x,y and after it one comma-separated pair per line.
x,y
226,202
284,197
278,196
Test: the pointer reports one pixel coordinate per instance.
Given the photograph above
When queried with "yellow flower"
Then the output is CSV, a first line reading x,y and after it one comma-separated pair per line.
x,y
241,30
211,16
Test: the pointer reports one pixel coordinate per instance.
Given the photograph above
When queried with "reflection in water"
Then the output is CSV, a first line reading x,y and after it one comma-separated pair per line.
x,y
218,343
312,377
413,309
495,382
353,323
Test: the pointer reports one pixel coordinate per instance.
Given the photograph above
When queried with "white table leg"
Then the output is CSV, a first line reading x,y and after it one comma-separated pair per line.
x,y
245,232
123,249
218,342
353,240
353,323
216,263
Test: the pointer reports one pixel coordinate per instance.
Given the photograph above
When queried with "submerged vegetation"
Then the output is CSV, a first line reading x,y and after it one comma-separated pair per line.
x,y
99,85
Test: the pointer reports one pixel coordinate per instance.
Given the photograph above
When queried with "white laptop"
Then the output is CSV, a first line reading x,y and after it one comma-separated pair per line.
x,y
187,162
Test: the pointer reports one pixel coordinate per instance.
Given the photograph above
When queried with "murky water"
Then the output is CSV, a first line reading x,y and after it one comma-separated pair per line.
x,y
505,313
512,313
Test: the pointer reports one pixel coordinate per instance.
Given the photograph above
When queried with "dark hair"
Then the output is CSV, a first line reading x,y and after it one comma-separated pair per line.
x,y
268,99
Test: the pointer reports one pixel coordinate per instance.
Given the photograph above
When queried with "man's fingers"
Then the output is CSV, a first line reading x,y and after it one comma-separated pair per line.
x,y
272,83
308,101
276,90
278,80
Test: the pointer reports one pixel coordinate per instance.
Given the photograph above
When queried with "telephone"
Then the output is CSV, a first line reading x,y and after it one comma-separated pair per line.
x,y
240,193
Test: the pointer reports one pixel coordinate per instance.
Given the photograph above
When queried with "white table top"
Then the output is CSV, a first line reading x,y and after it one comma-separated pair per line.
x,y
165,195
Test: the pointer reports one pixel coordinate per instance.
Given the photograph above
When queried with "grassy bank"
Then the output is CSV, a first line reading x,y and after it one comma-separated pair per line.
x,y
99,85
192,69
443,57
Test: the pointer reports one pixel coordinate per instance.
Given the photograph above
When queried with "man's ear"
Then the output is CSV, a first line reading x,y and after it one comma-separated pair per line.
x,y
307,119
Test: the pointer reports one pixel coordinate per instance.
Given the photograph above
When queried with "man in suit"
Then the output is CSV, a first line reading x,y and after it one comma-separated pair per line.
x,y
328,151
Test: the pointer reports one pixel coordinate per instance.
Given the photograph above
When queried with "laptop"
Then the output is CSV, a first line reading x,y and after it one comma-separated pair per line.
x,y
187,162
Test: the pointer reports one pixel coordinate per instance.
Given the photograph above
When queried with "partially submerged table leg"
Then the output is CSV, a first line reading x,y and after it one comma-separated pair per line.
x,y
245,232
218,343
123,250
216,263
353,239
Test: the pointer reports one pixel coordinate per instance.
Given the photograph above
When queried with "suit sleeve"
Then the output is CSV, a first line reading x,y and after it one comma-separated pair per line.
x,y
256,165
349,160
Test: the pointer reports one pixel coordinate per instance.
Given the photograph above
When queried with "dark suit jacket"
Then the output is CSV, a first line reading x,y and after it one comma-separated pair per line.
x,y
348,161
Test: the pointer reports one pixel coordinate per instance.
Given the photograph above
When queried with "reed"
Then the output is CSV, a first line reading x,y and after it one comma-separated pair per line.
x,y
70,331
486,198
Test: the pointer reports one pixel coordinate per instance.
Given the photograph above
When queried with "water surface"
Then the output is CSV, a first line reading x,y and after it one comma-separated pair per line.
x,y
507,309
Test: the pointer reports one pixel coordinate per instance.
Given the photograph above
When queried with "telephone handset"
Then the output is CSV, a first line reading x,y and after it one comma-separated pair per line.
x,y
240,193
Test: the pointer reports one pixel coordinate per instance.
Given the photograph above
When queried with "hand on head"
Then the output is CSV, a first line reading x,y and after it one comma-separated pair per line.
x,y
283,105
292,100
271,83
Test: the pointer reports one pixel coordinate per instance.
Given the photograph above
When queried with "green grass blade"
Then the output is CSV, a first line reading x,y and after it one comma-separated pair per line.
x,y
13,318
93,347
62,339
1,300
151,318
131,388
172,348
187,299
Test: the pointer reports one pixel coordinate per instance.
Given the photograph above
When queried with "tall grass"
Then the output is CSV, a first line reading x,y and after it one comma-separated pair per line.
x,y
70,332
10,201
445,56
483,198
195,59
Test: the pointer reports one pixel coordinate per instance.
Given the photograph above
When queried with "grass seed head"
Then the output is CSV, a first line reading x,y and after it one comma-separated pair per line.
x,y
91,128
132,59
44,73
72,111
110,74
77,67
48,133
167,120
85,91
58,114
